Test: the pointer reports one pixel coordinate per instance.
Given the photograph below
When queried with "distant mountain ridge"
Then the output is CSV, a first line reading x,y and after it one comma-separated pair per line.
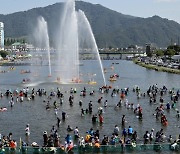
x,y
109,27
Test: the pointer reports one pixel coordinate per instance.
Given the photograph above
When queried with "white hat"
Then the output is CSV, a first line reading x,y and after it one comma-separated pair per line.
x,y
44,132
34,144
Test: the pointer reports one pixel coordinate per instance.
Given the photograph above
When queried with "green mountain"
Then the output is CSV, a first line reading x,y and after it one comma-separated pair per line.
x,y
109,27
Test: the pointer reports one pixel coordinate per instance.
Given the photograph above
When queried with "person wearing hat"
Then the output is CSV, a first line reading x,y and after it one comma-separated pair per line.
x,y
116,130
34,144
170,139
27,130
76,133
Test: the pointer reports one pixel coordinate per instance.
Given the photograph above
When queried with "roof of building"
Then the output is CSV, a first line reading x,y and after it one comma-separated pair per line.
x,y
176,57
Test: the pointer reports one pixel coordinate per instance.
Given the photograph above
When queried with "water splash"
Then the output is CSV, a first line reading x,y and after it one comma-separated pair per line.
x,y
75,36
67,46
41,39
87,40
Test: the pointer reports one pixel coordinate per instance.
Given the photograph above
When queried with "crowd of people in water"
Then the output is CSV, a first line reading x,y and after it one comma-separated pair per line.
x,y
122,135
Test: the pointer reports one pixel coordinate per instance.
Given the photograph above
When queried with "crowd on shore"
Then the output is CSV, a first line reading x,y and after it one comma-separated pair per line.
x,y
124,135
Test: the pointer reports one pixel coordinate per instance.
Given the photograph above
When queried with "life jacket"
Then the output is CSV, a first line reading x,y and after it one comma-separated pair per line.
x,y
21,94
87,138
12,144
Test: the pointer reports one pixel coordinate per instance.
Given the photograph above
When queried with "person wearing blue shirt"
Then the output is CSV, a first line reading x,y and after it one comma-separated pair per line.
x,y
68,138
91,132
124,133
130,130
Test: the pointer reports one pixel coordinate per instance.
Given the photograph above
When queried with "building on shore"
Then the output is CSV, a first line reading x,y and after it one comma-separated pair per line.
x,y
18,46
150,48
176,58
1,36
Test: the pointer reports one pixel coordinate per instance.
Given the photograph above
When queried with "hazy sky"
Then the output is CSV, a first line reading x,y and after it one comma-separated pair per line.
x,y
143,8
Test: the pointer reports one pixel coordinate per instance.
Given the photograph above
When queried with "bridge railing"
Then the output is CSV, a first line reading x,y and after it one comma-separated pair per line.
x,y
93,149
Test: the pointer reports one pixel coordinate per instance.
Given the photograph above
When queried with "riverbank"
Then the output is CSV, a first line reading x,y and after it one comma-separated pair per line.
x,y
4,62
41,119
13,63
157,68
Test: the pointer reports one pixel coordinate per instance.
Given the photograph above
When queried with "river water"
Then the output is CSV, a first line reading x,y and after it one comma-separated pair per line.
x,y
34,113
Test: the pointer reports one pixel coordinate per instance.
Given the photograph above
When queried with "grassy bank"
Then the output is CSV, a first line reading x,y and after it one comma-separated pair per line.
x,y
157,68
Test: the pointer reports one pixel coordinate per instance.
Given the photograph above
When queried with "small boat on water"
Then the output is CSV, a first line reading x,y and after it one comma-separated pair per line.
x,y
112,79
25,71
106,87
114,76
92,82
3,71
24,81
76,80
12,68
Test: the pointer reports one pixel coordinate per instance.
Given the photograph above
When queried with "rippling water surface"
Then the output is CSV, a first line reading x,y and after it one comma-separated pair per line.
x,y
33,112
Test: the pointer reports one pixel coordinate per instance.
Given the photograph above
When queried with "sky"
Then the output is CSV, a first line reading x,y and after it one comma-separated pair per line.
x,y
169,9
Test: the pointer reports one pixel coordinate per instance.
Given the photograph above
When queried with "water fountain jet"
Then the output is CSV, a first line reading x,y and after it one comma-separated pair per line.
x,y
41,56
75,34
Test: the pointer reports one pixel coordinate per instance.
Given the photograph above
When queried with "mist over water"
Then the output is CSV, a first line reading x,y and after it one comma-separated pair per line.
x,y
87,40
68,46
73,37
41,56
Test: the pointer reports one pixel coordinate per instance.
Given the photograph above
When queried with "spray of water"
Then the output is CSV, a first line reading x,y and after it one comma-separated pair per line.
x,y
75,35
67,46
87,40
41,39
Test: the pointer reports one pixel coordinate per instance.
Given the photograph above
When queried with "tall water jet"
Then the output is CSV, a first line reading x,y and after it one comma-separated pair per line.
x,y
87,40
67,47
43,42
75,36
41,53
